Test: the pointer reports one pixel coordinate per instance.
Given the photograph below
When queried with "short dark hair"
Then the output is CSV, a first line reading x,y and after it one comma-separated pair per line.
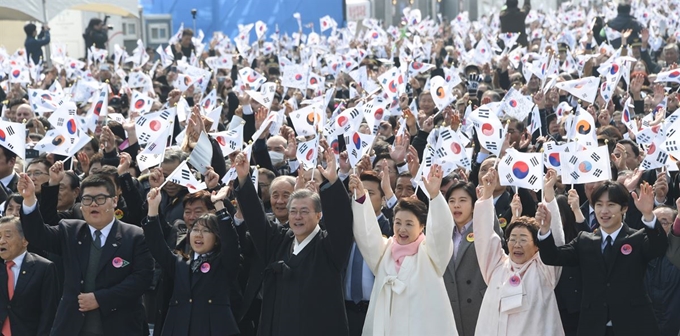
x,y
9,155
96,158
111,173
16,198
199,196
268,173
616,192
75,180
13,220
29,29
634,147
414,206
371,176
384,156
187,32
40,160
465,186
98,180
525,222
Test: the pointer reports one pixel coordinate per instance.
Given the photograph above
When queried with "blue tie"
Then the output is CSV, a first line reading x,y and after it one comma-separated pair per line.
x,y
356,283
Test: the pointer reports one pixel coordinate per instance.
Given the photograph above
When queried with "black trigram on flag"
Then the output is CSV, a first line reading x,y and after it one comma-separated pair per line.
x,y
445,134
508,160
185,174
10,130
491,146
662,157
509,178
441,153
670,132
465,162
597,172
483,113
573,159
428,161
152,146
671,146
141,158
303,148
595,157
232,144
165,114
645,165
534,161
144,137
141,121
9,144
60,121
575,175
533,179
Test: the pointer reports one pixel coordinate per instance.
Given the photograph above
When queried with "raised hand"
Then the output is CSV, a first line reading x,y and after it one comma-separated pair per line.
x,y
212,179
543,217
56,173
645,201
345,167
153,199
330,172
156,178
356,187
26,188
489,182
549,185
218,197
124,164
434,180
300,179
385,183
516,207
291,147
242,167
632,181
661,187
260,116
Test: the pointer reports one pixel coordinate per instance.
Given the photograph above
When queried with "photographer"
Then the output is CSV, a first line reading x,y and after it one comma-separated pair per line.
x,y
96,34
34,44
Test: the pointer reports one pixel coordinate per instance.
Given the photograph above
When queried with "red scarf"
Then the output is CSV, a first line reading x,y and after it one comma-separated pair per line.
x,y
399,252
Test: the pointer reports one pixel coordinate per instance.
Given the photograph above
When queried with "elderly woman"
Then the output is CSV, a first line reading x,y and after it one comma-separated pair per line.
x,y
409,296
520,298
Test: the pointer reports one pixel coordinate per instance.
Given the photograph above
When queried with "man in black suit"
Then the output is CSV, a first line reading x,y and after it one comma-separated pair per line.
x,y
107,264
8,178
613,261
28,288
302,290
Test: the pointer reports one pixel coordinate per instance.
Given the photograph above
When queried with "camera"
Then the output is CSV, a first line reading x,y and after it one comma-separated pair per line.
x,y
193,12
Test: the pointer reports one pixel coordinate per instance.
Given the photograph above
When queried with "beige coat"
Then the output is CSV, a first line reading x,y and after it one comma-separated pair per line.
x,y
414,301
529,308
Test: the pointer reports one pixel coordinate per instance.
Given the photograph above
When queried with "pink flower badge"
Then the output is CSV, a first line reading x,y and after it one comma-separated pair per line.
x,y
626,249
205,267
515,280
117,262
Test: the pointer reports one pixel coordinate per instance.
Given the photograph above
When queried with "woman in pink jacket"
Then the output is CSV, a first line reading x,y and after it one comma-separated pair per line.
x,y
520,299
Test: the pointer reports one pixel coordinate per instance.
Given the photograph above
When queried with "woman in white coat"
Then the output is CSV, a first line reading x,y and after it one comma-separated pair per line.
x,y
520,299
409,296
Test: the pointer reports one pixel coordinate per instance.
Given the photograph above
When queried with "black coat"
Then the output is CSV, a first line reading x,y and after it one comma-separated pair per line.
x,y
512,21
31,310
200,302
118,290
622,22
617,292
96,38
303,293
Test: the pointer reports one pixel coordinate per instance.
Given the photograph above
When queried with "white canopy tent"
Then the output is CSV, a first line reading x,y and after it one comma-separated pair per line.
x,y
44,10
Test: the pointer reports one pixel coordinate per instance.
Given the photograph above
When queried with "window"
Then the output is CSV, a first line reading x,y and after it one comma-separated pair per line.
x,y
124,29
154,33
131,29
158,32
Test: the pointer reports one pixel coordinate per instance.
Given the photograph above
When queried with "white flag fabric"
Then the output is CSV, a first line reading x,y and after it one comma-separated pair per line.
x,y
152,154
536,123
141,102
584,131
19,73
517,105
56,142
524,170
347,121
13,137
99,107
627,115
393,82
306,120
415,68
489,129
307,153
358,145
149,125
551,155
251,77
209,102
585,166
260,29
230,141
450,149
183,176
266,94
582,88
668,76
656,156
326,23
441,92
296,76
224,61
374,111
43,101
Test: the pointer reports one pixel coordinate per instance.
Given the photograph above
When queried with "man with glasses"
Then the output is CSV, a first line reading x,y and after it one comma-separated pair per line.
x,y
107,264
38,172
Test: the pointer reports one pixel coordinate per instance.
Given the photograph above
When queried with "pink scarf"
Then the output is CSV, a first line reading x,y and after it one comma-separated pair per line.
x,y
399,252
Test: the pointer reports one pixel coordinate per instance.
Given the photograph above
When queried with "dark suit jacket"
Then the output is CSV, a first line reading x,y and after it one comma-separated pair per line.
x,y
302,294
200,302
612,292
31,310
118,290
11,188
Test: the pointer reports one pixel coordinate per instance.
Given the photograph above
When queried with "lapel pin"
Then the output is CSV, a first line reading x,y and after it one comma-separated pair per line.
x,y
470,237
80,243
115,245
23,272
515,280
205,267
626,249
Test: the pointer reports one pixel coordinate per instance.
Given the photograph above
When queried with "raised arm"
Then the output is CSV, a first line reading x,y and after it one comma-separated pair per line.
x,y
488,245
337,218
366,230
154,234
41,236
439,223
231,251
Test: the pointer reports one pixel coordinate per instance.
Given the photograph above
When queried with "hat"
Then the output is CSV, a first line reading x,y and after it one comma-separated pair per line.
x,y
471,67
118,131
562,47
104,67
636,42
29,29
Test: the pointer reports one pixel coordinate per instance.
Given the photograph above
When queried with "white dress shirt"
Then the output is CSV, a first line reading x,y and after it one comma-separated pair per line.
x,y
105,231
297,247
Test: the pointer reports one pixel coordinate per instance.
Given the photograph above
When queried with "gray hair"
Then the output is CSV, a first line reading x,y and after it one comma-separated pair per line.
x,y
13,220
282,178
305,193
174,155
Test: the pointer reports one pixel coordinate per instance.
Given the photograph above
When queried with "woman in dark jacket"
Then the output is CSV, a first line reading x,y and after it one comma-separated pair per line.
x,y
513,19
95,34
200,302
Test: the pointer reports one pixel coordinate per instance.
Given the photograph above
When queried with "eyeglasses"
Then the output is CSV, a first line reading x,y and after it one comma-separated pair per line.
x,y
202,232
294,213
36,173
264,185
99,199
522,242
665,222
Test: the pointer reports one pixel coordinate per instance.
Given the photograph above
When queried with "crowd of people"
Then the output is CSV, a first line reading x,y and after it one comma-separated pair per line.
x,y
513,175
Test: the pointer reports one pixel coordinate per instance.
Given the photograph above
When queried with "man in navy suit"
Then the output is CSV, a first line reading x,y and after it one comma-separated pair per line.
x,y
107,265
28,285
